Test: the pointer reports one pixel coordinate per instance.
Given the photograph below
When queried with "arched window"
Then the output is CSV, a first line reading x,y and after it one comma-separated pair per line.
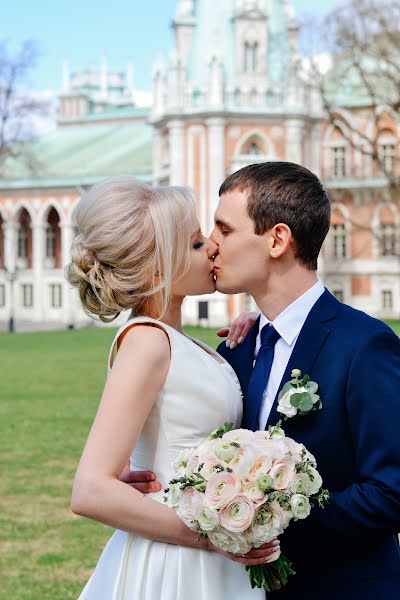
x,y
24,240
387,231
250,57
339,235
2,258
53,239
387,151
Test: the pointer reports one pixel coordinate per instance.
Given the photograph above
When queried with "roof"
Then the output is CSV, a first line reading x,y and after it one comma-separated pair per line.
x,y
82,154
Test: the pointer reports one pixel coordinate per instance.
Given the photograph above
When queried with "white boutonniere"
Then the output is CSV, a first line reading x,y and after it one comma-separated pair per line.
x,y
298,397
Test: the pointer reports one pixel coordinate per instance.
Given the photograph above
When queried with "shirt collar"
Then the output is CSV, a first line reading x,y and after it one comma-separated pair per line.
x,y
290,321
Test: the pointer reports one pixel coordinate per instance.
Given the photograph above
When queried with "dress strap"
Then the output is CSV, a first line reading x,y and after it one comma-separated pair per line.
x,y
123,330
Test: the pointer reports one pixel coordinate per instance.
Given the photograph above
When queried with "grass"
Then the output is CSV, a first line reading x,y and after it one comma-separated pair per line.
x,y
50,387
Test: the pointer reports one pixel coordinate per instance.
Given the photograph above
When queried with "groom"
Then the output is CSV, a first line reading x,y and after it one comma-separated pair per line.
x,y
270,224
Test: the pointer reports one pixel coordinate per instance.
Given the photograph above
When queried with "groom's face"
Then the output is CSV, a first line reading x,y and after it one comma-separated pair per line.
x,y
241,264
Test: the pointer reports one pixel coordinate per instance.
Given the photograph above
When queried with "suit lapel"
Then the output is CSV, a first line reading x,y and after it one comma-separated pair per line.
x,y
309,344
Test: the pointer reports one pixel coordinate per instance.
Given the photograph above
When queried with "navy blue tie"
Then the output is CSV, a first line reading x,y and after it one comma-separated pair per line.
x,y
259,377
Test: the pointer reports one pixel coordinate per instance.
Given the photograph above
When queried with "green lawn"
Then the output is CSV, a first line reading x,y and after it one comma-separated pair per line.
x,y
50,387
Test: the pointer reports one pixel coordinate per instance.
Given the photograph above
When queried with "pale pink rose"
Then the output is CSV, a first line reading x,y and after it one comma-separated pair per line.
x,y
280,517
238,514
282,473
192,464
240,436
261,466
228,541
221,487
190,503
243,461
253,492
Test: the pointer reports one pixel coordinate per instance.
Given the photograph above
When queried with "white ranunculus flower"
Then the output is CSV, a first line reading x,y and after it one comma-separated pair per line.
x,y
301,484
257,535
224,450
280,517
243,461
228,541
208,518
240,436
253,491
309,456
206,449
315,481
300,506
190,503
173,495
284,406
180,464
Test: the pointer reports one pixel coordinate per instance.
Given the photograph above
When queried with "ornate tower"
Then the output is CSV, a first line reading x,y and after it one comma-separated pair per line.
x,y
230,94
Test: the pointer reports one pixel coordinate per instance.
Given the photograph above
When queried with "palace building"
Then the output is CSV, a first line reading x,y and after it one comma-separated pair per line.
x,y
231,93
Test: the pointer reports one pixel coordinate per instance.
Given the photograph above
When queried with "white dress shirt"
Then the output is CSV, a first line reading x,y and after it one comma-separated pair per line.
x,y
288,324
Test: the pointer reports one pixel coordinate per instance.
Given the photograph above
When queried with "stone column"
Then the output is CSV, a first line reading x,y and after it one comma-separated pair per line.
x,y
67,236
157,155
39,241
316,145
294,141
216,164
177,147
10,254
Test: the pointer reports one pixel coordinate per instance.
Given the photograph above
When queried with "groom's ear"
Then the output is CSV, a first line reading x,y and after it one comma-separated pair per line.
x,y
280,240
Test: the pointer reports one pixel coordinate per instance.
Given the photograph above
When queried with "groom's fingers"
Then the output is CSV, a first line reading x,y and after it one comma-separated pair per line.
x,y
128,476
147,488
223,332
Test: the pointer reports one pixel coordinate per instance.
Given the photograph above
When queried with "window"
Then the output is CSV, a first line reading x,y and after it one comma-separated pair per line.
x,y
50,242
253,149
387,239
387,299
22,243
387,155
55,295
2,295
339,161
27,295
250,57
203,310
339,240
338,295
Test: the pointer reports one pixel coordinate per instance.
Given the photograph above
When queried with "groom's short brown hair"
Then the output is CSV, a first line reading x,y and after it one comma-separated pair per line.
x,y
284,192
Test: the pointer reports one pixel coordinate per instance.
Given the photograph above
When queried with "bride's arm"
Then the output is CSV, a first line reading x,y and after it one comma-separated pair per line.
x,y
138,373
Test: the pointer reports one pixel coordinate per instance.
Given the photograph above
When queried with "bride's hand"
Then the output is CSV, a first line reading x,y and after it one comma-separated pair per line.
x,y
239,329
144,481
257,556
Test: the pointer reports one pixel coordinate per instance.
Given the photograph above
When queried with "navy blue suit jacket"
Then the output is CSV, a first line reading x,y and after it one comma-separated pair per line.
x,y
350,549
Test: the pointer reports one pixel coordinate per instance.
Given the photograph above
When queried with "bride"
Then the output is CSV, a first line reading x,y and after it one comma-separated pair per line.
x,y
141,248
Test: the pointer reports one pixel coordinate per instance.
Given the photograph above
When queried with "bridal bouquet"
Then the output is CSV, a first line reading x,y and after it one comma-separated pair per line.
x,y
242,488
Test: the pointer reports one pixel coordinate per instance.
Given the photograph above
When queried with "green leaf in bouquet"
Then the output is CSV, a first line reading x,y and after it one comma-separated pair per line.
x,y
312,387
314,398
218,433
306,403
305,380
297,399
288,386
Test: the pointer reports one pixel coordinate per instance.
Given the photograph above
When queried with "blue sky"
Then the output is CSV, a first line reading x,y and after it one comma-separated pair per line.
x,y
83,30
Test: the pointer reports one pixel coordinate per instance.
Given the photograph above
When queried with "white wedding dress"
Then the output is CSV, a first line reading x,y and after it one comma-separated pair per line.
x,y
200,393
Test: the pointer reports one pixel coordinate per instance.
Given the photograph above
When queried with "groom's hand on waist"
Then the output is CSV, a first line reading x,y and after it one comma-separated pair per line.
x,y
240,327
143,481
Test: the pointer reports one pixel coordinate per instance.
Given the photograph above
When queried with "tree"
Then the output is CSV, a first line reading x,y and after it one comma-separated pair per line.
x,y
18,108
362,38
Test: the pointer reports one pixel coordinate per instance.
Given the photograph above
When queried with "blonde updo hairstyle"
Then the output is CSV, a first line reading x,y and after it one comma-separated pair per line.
x,y
133,241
